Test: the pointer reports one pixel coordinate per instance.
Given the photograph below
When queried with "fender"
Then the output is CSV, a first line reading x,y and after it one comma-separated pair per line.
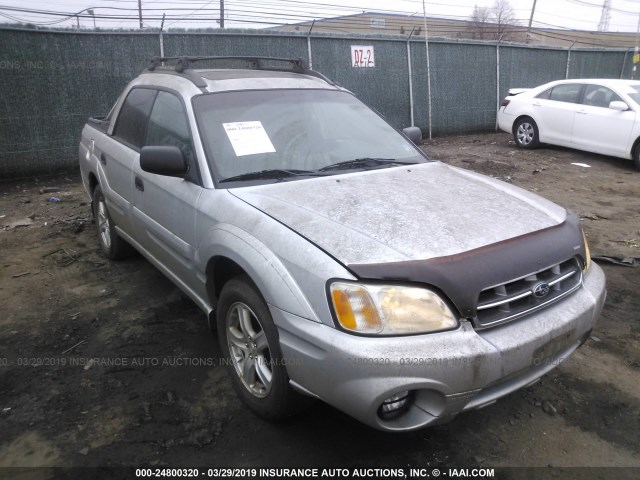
x,y
272,278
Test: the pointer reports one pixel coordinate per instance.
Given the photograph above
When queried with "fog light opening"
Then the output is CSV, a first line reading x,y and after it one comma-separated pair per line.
x,y
395,405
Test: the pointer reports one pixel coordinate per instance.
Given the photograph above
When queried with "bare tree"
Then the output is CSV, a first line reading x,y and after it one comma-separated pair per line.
x,y
480,19
503,18
495,23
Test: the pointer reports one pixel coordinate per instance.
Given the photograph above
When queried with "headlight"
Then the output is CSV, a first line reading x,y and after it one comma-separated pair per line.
x,y
587,254
389,310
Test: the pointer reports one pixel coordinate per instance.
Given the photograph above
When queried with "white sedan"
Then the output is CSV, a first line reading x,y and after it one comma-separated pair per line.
x,y
596,115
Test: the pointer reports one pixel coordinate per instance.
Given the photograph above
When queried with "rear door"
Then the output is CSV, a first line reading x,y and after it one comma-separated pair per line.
x,y
164,207
598,128
119,154
554,111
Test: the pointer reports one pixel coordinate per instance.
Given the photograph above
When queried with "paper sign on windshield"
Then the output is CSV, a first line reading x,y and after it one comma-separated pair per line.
x,y
248,138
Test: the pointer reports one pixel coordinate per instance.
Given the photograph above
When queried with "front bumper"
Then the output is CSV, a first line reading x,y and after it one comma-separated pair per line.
x,y
447,372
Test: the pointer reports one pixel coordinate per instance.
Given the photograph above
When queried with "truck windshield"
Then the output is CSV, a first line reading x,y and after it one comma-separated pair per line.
x,y
302,131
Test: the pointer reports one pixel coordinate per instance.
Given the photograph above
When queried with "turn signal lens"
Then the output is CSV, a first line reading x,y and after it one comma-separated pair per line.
x,y
587,254
355,308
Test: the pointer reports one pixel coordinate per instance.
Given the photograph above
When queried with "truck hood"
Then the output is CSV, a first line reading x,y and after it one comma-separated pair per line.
x,y
398,214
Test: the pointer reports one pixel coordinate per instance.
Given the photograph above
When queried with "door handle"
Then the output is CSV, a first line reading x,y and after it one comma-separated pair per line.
x,y
581,112
139,184
103,158
537,104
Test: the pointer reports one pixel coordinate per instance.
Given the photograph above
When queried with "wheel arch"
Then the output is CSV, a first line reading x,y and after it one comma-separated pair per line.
x,y
635,148
93,183
230,252
219,270
521,117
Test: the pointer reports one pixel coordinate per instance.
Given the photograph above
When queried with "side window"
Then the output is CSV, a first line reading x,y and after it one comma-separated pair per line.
x,y
131,124
566,93
598,96
545,95
168,125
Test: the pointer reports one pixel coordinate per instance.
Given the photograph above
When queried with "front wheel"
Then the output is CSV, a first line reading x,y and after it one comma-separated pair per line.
x,y
526,133
249,341
636,157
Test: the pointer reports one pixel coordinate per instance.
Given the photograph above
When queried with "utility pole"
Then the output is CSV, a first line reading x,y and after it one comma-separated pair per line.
x,y
162,38
221,13
533,9
140,12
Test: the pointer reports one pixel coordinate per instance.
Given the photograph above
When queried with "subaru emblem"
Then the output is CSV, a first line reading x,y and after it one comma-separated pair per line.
x,y
541,290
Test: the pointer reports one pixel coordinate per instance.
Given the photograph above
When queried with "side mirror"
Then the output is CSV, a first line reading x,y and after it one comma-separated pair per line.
x,y
163,160
414,134
620,106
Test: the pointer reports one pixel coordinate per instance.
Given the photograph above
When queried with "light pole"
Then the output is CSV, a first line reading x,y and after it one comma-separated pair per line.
x,y
90,12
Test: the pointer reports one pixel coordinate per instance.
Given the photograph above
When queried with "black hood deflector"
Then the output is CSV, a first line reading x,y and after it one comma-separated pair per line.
x,y
463,276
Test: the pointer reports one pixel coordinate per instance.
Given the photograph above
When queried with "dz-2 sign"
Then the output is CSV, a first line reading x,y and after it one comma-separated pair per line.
x,y
362,56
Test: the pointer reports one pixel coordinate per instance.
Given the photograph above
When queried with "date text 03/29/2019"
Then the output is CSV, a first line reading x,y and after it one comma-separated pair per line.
x,y
315,472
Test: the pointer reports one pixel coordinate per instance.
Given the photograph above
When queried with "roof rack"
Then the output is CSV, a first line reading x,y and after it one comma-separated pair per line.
x,y
182,65
257,63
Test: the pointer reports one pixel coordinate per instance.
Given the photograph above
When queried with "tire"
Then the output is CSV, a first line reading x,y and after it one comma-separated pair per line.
x,y
636,157
111,244
249,341
525,133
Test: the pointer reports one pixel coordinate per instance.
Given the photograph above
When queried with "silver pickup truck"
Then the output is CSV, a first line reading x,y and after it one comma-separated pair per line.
x,y
335,260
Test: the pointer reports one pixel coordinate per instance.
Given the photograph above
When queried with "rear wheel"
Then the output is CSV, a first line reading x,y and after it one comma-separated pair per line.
x,y
110,242
526,133
249,340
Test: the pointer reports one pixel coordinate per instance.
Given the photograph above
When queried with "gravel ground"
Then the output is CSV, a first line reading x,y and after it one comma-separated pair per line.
x,y
67,398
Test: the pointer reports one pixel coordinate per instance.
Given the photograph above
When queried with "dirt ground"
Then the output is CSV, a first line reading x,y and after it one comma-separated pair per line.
x,y
107,363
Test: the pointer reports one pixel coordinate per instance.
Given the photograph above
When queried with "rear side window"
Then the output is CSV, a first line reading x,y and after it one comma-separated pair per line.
x,y
545,95
568,93
131,126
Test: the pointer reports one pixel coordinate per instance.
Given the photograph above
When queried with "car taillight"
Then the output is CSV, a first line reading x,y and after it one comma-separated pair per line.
x,y
505,102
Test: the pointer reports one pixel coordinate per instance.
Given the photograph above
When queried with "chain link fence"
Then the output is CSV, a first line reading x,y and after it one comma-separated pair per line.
x,y
53,81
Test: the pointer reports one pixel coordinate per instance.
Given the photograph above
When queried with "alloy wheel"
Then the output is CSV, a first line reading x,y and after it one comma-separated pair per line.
x,y
249,350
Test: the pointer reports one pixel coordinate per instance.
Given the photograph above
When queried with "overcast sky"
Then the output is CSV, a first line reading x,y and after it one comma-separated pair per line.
x,y
570,14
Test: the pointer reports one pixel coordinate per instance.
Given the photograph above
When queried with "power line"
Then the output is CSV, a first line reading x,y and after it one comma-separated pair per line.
x,y
281,13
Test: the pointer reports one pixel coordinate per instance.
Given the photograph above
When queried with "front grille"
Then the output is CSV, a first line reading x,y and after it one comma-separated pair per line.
x,y
511,300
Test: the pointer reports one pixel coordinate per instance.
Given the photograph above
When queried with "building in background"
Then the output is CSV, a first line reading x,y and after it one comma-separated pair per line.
x,y
398,24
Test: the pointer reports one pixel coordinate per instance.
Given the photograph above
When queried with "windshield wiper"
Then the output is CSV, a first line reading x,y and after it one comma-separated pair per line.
x,y
364,162
272,173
